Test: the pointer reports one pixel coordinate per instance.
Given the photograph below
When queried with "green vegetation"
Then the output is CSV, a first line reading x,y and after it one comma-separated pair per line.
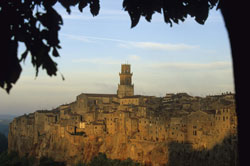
x,y
44,161
12,159
102,160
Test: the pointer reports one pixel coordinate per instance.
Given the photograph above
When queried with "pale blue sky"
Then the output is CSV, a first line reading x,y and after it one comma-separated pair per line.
x,y
188,57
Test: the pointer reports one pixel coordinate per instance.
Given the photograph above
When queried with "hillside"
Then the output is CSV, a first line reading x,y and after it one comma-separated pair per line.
x,y
4,123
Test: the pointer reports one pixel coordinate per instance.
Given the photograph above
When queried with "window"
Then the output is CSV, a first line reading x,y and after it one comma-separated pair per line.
x,y
194,132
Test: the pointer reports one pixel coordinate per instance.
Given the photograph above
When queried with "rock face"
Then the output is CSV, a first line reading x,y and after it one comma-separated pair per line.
x,y
136,127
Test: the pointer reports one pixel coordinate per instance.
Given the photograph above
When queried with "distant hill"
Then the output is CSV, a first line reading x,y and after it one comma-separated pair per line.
x,y
7,116
5,119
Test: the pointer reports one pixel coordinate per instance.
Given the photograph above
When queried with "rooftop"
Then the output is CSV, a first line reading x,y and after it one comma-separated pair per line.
x,y
99,95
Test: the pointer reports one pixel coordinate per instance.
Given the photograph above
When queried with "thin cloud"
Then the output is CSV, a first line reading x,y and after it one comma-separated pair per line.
x,y
220,65
79,38
103,61
91,38
162,46
135,44
106,61
134,57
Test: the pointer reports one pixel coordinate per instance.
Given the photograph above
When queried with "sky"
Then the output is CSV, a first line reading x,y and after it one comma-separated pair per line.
x,y
187,57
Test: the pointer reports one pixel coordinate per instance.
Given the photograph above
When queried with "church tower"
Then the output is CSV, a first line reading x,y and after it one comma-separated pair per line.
x,y
125,88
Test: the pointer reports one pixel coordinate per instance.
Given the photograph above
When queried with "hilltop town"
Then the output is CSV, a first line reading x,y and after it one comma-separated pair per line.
x,y
124,125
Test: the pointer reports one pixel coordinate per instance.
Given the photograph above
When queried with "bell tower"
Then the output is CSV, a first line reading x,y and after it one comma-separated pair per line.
x,y
125,88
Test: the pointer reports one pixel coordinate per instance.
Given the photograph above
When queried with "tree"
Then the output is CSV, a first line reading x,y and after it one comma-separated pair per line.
x,y
36,23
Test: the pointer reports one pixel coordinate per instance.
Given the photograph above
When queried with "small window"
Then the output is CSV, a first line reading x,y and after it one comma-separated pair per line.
x,y
194,132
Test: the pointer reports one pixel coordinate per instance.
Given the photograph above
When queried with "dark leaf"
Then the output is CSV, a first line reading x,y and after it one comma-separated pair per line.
x,y
9,86
50,66
94,7
62,77
82,4
55,53
66,5
47,3
73,2
135,19
24,55
58,46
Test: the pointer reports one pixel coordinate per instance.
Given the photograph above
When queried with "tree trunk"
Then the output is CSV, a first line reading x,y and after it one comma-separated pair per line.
x,y
233,14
